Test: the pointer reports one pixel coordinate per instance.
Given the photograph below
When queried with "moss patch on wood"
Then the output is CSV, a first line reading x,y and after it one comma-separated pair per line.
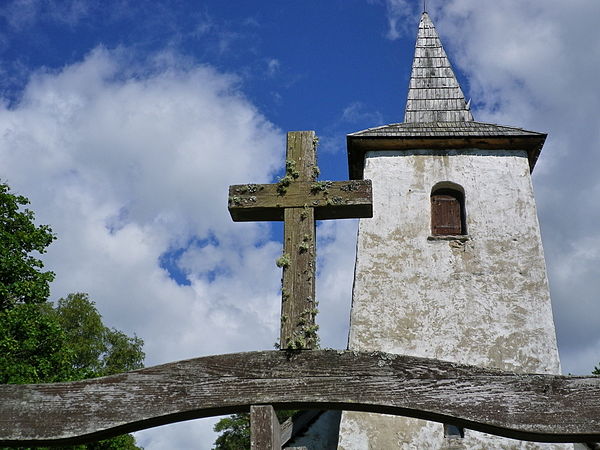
x,y
283,261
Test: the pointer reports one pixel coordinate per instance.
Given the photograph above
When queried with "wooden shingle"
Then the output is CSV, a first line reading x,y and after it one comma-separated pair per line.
x,y
434,93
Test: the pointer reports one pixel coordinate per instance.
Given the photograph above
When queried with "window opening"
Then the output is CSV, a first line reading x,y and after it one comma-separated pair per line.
x,y
447,212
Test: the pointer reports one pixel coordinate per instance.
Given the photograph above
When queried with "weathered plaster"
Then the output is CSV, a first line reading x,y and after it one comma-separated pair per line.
x,y
482,299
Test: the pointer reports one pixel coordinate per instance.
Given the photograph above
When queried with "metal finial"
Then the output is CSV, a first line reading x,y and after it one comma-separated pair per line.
x,y
424,5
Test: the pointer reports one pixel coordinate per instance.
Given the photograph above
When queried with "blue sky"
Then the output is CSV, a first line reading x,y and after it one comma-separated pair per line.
x,y
124,122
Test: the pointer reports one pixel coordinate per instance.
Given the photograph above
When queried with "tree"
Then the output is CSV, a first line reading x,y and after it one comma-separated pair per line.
x,y
235,432
21,277
41,343
96,349
596,370
33,346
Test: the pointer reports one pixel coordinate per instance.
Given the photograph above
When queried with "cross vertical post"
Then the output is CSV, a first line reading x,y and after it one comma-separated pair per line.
x,y
265,431
298,305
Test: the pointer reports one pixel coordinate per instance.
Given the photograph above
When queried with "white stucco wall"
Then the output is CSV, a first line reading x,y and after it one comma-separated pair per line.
x,y
482,301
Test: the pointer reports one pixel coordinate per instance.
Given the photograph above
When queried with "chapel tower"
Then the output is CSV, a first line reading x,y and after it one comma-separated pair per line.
x,y
451,265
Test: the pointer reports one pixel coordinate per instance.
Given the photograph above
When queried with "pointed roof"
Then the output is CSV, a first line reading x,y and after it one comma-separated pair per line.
x,y
434,94
437,117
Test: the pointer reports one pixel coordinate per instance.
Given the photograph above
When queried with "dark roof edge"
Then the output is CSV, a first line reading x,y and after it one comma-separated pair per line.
x,y
358,146
452,127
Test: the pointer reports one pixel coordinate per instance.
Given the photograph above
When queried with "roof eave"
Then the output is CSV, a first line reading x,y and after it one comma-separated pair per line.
x,y
358,146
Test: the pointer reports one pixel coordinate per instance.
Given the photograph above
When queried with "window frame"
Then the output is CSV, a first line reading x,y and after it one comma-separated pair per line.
x,y
453,191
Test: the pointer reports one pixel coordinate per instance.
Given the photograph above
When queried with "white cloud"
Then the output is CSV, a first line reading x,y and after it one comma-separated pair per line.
x,y
401,15
355,112
273,66
130,162
336,250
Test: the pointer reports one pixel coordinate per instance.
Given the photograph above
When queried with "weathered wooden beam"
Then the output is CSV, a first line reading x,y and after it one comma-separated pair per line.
x,y
265,431
298,282
298,304
330,200
545,408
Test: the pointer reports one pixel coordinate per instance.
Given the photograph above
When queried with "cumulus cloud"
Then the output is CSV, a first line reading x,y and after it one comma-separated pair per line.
x,y
400,15
130,164
336,250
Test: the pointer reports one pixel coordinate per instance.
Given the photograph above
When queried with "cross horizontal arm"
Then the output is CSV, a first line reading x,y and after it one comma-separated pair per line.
x,y
330,199
544,408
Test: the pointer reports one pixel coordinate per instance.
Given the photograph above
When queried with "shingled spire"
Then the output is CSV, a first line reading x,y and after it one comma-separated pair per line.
x,y
437,116
434,94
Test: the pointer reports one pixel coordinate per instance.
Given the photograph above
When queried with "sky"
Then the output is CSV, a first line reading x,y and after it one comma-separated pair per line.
x,y
125,122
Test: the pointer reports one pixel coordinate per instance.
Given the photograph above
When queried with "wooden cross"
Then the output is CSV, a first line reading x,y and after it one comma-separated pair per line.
x,y
299,199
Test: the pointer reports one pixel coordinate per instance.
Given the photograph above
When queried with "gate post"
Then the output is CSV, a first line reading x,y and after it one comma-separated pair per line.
x,y
265,431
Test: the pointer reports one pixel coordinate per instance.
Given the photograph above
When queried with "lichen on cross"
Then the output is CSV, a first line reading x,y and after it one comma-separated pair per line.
x,y
299,199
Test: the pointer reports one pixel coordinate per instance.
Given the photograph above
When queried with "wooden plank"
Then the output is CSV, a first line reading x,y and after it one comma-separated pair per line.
x,y
330,199
545,408
265,431
298,304
301,151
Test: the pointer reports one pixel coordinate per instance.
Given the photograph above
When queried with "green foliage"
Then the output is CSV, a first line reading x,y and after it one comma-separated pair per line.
x,y
21,277
123,442
42,344
83,325
235,430
596,370
97,349
33,346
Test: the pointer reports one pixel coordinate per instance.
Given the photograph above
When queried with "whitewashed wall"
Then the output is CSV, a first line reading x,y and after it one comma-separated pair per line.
x,y
483,300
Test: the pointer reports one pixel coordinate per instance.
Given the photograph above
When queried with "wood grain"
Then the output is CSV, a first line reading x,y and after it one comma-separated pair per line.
x,y
265,431
545,408
298,292
330,200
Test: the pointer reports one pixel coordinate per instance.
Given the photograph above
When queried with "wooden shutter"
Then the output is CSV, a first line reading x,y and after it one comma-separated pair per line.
x,y
445,215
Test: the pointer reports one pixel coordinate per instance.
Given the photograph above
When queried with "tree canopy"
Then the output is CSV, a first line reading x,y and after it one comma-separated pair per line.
x,y
21,277
45,343
96,349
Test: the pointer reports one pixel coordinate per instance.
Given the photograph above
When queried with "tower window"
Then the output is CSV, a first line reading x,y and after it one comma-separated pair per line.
x,y
447,212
